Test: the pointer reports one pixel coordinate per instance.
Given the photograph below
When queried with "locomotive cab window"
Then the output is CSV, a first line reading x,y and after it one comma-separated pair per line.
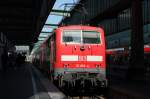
x,y
78,37
72,36
91,37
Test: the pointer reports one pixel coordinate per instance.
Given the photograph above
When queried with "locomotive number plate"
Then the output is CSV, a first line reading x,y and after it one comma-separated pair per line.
x,y
82,66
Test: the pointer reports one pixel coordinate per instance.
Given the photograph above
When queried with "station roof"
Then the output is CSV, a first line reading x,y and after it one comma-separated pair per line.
x,y
22,20
60,11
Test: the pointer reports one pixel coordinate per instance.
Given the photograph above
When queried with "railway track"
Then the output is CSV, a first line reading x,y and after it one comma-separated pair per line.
x,y
99,97
87,97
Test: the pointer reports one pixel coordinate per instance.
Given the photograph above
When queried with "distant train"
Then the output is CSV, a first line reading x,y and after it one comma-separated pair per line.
x,y
122,55
74,56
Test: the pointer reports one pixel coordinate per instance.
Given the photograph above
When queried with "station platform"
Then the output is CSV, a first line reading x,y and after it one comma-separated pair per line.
x,y
121,88
126,90
26,82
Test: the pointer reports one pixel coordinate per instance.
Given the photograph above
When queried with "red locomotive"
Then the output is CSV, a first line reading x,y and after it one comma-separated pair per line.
x,y
75,56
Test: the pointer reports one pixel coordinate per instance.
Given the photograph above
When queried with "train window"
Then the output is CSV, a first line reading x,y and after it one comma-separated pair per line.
x,y
91,37
73,36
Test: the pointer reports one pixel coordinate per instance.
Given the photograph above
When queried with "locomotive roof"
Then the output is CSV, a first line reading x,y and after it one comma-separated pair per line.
x,y
79,27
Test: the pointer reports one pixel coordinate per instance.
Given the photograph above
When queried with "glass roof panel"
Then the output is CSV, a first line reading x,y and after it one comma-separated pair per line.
x,y
44,34
59,4
47,29
53,19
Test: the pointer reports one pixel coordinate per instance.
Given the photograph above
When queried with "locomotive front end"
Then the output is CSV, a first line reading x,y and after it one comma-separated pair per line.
x,y
81,57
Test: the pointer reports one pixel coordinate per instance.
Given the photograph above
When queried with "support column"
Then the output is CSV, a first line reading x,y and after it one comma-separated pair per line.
x,y
136,69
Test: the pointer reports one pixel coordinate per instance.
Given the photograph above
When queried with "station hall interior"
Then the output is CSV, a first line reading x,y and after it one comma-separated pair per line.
x,y
27,26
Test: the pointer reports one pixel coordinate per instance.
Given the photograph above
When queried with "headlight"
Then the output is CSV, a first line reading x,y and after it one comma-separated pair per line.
x,y
65,65
97,66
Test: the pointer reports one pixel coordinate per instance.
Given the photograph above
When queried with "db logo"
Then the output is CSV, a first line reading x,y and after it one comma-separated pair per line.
x,y
82,58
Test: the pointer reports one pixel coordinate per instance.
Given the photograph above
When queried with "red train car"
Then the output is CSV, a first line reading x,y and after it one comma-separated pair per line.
x,y
125,50
121,55
147,49
75,55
